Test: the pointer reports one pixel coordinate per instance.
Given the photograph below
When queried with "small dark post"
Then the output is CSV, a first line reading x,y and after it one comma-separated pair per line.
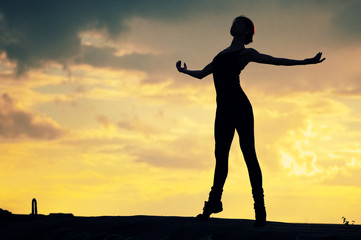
x,y
34,207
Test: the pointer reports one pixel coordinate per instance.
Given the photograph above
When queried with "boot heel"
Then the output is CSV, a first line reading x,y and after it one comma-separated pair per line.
x,y
260,213
209,208
259,208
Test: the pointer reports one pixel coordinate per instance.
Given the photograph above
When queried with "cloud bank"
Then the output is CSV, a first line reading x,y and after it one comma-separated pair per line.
x,y
16,123
36,32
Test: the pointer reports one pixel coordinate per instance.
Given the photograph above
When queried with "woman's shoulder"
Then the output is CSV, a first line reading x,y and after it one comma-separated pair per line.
x,y
248,54
250,51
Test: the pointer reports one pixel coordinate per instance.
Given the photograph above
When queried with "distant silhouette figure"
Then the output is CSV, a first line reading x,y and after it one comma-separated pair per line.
x,y
234,112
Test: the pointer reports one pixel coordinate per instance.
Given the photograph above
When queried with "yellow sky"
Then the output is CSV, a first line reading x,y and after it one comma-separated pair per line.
x,y
111,128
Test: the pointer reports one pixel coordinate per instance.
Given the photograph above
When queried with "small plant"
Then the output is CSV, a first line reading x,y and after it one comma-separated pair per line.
x,y
344,220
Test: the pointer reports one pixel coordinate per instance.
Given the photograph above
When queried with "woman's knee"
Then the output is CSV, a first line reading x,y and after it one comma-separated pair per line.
x,y
221,153
248,150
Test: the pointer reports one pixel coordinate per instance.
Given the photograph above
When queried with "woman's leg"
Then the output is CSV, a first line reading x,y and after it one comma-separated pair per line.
x,y
223,135
245,129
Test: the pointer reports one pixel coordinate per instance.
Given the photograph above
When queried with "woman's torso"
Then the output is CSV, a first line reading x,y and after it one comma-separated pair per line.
x,y
227,66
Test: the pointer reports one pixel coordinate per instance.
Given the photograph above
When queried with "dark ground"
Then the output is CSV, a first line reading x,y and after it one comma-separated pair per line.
x,y
156,227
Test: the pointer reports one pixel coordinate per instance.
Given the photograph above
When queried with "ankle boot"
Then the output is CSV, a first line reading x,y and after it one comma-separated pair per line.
x,y
214,204
259,208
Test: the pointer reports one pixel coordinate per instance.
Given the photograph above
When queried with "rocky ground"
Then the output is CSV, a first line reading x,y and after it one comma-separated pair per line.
x,y
66,226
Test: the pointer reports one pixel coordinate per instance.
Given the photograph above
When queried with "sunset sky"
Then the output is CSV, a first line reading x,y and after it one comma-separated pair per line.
x,y
95,119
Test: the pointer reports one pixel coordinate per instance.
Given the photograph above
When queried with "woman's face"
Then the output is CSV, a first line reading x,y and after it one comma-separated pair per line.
x,y
238,28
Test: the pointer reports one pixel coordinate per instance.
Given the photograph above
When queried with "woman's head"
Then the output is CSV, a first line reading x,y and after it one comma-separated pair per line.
x,y
243,26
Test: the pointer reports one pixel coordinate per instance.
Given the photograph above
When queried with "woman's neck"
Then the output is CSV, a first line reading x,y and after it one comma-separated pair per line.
x,y
237,42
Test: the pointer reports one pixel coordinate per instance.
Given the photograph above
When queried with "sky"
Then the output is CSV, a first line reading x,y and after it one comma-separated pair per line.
x,y
95,119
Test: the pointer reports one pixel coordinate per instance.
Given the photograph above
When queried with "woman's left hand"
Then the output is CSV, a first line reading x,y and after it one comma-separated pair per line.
x,y
315,59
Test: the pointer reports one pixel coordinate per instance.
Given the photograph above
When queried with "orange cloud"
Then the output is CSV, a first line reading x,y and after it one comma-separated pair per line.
x,y
17,123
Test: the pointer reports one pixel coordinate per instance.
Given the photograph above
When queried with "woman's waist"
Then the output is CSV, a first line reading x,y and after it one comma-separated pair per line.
x,y
232,97
230,91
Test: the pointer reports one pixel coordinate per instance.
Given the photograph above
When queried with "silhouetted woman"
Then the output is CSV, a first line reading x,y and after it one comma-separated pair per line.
x,y
234,112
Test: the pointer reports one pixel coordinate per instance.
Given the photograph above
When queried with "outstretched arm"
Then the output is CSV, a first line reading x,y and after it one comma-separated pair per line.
x,y
196,73
266,59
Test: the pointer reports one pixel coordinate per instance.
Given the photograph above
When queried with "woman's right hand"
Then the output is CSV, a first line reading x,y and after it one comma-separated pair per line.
x,y
180,68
